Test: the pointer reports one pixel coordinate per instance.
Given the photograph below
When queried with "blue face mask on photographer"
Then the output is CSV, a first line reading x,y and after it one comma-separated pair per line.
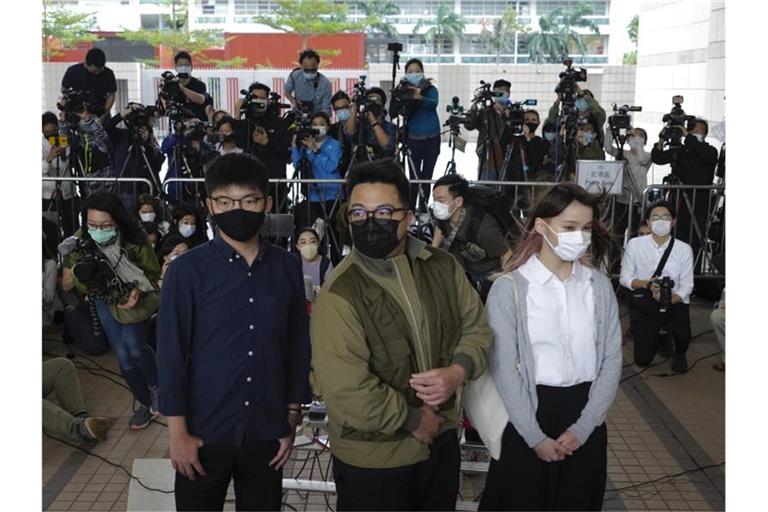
x,y
414,78
103,236
310,75
581,104
343,114
550,136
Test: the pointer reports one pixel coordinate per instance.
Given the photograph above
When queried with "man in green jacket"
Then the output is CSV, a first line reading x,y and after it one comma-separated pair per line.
x,y
396,330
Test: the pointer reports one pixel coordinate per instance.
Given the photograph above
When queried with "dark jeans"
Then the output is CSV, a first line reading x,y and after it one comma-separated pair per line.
x,y
135,357
425,153
645,331
429,485
520,480
257,485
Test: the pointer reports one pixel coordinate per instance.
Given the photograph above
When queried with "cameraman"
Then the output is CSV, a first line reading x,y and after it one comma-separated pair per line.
x,y
194,95
136,130
94,78
692,164
110,233
639,161
379,135
528,152
418,105
269,140
493,132
193,155
585,104
588,139
94,156
59,196
306,84
640,271
342,109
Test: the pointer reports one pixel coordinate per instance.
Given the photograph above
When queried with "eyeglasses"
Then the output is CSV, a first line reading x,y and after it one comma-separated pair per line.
x,y
381,215
247,203
660,217
100,228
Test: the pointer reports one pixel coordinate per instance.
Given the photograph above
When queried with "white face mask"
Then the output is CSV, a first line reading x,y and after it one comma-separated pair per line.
x,y
148,216
323,130
699,136
571,245
187,230
661,227
309,251
635,143
442,211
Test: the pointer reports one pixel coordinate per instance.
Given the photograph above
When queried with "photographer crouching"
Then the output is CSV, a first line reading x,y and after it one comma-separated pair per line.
x,y
658,269
114,266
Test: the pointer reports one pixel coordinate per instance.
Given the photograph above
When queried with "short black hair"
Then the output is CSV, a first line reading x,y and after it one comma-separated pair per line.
x,y
380,92
239,169
96,57
502,83
549,126
50,118
309,54
181,210
340,95
661,204
108,202
379,171
531,111
323,115
415,61
702,121
457,185
259,86
182,55
231,121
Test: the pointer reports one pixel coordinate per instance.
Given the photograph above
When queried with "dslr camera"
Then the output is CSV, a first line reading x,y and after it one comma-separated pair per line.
x,y
675,120
95,271
665,295
568,79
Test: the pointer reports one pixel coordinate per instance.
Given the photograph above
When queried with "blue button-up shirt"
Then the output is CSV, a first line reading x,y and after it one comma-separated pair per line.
x,y
233,342
318,90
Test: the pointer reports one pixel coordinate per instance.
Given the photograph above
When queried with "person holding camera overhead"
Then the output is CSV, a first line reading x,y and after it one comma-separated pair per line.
x,y
306,85
418,106
659,270
111,234
94,78
193,91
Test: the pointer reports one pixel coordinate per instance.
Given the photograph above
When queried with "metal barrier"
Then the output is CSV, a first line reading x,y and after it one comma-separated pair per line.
x,y
700,220
116,181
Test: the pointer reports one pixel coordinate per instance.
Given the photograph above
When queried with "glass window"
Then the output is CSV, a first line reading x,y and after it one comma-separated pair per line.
x,y
418,7
599,7
596,45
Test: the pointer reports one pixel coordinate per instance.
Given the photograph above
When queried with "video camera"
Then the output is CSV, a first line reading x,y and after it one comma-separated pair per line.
x,y
457,116
73,101
361,99
303,121
170,88
516,114
139,115
568,79
484,93
675,120
620,120
94,270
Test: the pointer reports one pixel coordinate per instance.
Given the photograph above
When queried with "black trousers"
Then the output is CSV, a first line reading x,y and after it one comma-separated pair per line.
x,y
257,485
645,331
520,480
429,485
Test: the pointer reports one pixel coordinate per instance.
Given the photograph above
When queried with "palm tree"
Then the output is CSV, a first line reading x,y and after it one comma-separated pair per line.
x,y
375,12
501,35
551,43
445,25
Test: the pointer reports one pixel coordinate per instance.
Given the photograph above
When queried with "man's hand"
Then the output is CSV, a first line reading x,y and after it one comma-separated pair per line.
x,y
429,426
550,450
436,386
184,455
655,291
54,153
286,445
260,136
569,441
133,299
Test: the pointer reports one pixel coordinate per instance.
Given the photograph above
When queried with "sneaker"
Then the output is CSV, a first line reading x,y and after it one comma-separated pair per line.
x,y
141,418
95,428
679,363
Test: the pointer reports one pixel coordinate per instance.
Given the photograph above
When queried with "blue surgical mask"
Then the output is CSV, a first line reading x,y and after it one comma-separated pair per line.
x,y
343,114
310,75
414,78
502,99
550,136
582,105
187,230
103,236
588,137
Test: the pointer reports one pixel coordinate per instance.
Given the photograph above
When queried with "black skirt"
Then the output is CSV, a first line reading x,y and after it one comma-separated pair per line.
x,y
522,481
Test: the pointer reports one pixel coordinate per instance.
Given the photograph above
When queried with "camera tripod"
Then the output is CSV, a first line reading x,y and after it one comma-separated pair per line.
x,y
137,153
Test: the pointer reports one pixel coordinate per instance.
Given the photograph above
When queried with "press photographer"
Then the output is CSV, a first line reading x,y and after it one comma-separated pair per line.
x,y
136,151
58,196
658,269
185,90
486,115
188,154
416,99
115,268
226,130
379,136
95,79
306,84
588,138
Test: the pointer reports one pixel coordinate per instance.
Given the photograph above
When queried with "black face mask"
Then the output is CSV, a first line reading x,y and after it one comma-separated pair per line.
x,y
239,224
375,240
532,127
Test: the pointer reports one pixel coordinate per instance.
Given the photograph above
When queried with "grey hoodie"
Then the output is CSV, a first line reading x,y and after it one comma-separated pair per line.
x,y
511,361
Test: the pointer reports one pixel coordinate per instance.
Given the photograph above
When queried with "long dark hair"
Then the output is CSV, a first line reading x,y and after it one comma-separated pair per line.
x,y
603,250
108,202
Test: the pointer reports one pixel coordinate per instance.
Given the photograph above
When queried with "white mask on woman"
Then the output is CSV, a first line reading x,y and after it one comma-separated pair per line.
x,y
571,245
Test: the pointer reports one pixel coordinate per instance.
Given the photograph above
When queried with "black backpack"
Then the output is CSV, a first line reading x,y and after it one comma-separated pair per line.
x,y
498,205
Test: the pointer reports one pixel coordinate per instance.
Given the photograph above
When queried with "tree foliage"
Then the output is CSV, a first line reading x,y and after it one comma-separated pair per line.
x,y
64,29
375,12
557,34
447,24
500,36
632,29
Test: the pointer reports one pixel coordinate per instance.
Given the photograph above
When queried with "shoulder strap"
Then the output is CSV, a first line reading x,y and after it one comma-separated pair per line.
x,y
324,264
473,226
664,258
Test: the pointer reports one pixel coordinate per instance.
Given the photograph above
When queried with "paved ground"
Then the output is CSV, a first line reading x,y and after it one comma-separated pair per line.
x,y
659,426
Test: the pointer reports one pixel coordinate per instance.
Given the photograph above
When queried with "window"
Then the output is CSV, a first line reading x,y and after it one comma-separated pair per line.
x,y
121,95
211,7
599,7
485,7
419,7
254,8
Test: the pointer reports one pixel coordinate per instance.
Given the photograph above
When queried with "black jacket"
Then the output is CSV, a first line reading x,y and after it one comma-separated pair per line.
x,y
696,161
275,153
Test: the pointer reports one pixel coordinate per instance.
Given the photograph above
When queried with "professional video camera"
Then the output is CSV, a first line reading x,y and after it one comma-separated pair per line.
x,y
73,101
675,120
516,115
620,120
194,129
458,115
95,271
568,79
402,95
170,88
484,94
139,115
303,122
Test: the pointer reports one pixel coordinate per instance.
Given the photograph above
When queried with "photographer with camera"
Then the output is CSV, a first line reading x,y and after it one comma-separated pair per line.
x,y
58,196
187,141
588,138
658,269
379,135
638,162
306,84
95,79
114,266
493,133
586,106
136,151
227,136
184,89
